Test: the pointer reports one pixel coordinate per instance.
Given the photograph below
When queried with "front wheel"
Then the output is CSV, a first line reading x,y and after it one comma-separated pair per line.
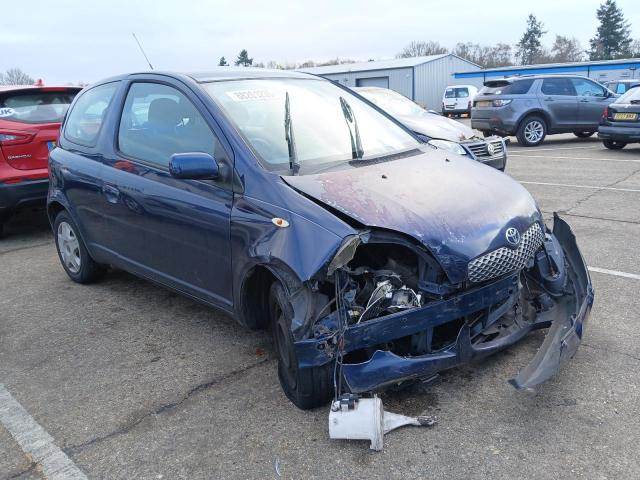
x,y
614,144
532,131
73,254
306,387
583,134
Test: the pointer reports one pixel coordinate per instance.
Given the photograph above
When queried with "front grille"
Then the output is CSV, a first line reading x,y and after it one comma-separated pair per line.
x,y
480,149
504,260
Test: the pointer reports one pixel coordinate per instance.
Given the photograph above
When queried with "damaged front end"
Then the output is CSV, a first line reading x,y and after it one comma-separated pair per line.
x,y
395,317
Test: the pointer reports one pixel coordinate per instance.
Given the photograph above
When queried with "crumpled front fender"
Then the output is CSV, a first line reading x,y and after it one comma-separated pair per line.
x,y
568,319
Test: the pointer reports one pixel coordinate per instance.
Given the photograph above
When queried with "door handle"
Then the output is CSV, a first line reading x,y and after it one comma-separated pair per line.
x,y
111,193
548,99
584,100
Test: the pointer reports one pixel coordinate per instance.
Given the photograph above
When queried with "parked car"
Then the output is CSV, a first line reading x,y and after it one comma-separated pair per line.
x,y
290,203
620,123
458,99
29,123
438,131
532,107
622,86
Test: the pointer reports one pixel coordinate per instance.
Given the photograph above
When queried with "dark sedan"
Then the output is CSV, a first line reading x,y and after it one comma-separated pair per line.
x,y
292,204
620,123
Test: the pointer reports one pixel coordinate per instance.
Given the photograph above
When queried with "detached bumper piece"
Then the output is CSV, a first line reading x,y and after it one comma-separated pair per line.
x,y
553,291
568,319
354,418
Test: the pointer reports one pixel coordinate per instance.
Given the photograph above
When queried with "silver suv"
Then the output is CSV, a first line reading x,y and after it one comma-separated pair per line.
x,y
532,107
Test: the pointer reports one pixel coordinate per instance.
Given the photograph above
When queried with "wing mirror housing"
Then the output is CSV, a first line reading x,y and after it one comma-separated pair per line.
x,y
194,166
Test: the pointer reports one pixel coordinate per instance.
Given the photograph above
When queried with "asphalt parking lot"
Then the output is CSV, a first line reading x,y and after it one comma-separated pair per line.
x,y
133,381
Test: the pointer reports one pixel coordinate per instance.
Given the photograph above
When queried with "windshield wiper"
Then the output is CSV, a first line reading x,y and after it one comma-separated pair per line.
x,y
356,143
288,135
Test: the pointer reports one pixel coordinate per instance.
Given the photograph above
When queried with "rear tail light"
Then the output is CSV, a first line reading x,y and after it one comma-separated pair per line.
x,y
11,137
605,113
500,103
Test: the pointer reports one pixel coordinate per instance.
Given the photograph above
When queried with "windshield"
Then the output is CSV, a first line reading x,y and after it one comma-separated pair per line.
x,y
393,103
456,93
315,114
632,96
42,107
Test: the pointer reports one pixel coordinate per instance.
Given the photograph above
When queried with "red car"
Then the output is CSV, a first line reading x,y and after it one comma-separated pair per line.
x,y
30,118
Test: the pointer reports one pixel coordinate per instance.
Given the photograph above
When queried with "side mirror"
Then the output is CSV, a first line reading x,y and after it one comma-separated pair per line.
x,y
193,166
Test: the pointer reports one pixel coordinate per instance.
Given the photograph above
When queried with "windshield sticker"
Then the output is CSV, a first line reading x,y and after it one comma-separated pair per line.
x,y
251,95
7,112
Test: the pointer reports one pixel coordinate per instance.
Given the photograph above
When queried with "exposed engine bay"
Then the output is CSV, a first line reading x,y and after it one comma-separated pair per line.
x,y
394,317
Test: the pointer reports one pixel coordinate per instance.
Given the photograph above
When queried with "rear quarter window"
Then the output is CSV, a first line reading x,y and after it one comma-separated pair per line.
x,y
85,118
36,107
632,96
518,87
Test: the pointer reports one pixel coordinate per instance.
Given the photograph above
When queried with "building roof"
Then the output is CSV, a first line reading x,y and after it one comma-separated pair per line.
x,y
376,65
543,68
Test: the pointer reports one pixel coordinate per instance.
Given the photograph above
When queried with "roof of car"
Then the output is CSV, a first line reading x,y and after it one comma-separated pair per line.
x,y
9,88
513,78
234,73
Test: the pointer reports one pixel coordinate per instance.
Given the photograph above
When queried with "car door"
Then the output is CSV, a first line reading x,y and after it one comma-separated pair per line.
x,y
592,100
81,177
172,230
558,97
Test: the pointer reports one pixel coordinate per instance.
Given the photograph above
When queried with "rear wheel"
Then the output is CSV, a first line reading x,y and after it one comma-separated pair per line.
x,y
614,144
305,387
583,134
73,254
532,131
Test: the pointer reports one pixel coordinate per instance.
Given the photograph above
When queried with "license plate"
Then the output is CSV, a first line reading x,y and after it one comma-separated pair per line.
x,y
625,116
483,104
51,145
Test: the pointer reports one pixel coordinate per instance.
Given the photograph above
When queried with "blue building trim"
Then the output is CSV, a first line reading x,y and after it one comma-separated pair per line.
x,y
539,71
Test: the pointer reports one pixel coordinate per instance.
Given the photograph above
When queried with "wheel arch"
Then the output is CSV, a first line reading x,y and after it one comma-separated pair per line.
x,y
537,112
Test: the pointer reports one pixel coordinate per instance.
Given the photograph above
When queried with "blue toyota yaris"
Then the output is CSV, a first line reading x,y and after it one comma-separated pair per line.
x,y
297,205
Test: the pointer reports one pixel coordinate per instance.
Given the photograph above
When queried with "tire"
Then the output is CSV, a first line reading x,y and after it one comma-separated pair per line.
x,y
614,144
307,387
583,134
532,131
73,254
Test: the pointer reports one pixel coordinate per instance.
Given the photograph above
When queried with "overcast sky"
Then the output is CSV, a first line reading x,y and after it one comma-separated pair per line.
x,y
71,40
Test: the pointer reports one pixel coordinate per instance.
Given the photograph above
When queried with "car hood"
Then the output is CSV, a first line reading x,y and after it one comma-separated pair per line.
x,y
454,206
436,126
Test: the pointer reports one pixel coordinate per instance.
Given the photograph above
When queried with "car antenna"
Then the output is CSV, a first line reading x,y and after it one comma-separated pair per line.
x,y
142,50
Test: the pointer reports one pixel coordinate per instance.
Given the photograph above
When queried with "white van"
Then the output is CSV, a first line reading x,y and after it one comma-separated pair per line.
x,y
457,99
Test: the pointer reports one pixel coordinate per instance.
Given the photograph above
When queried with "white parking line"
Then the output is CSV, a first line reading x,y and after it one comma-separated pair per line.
x,y
593,187
592,147
576,158
35,441
614,272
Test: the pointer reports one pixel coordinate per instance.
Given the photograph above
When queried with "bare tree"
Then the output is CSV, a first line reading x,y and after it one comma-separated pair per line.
x,y
421,49
15,76
567,49
486,56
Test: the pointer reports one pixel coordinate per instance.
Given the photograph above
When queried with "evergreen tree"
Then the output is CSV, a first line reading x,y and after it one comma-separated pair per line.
x,y
613,37
529,48
223,62
243,59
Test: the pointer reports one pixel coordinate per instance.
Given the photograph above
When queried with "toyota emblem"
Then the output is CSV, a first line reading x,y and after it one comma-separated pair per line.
x,y
491,150
513,236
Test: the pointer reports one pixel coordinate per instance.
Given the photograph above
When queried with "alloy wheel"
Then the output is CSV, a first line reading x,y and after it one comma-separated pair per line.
x,y
533,131
69,247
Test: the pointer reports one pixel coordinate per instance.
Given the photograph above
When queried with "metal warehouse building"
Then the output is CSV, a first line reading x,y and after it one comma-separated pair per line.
x,y
601,71
422,79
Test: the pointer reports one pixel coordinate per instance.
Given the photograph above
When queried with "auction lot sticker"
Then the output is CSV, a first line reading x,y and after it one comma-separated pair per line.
x,y
251,95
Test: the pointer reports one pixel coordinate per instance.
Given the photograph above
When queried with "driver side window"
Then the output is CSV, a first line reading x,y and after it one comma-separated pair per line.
x,y
158,121
586,88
